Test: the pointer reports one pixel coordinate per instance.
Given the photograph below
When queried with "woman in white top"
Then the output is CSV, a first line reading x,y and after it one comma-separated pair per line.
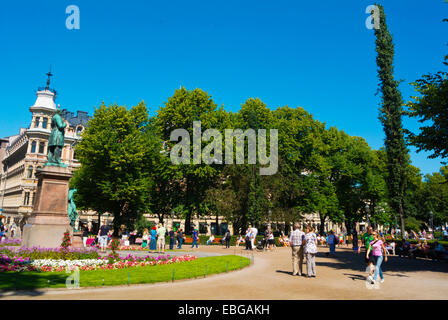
x,y
310,243
271,241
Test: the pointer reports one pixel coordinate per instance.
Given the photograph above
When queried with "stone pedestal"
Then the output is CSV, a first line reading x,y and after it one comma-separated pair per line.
x,y
49,220
77,240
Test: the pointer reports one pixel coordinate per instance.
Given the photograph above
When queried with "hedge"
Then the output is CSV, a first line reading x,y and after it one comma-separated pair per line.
x,y
203,240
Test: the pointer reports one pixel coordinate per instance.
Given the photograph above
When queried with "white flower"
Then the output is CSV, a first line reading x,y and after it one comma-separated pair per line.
x,y
67,263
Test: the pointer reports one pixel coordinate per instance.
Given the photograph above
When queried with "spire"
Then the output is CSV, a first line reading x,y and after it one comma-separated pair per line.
x,y
49,74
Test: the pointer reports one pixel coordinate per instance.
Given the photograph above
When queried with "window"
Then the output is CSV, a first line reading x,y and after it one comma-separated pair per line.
x,y
41,147
26,200
33,147
30,172
203,227
223,228
34,197
78,131
44,123
214,228
36,124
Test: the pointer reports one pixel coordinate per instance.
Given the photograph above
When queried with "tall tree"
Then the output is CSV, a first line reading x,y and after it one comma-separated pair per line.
x,y
114,174
391,113
179,112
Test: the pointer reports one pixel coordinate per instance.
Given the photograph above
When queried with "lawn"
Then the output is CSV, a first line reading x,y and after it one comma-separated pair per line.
x,y
149,274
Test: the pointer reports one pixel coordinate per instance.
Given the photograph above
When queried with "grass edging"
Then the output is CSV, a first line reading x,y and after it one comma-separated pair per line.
x,y
198,268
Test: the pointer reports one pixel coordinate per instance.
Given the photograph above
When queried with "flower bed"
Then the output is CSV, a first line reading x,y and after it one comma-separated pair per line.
x,y
10,242
50,253
14,263
106,263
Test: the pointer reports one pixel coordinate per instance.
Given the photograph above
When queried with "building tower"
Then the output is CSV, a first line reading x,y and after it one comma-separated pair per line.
x,y
27,151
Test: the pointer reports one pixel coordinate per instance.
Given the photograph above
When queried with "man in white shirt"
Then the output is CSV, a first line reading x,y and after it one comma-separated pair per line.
x,y
254,232
161,231
296,242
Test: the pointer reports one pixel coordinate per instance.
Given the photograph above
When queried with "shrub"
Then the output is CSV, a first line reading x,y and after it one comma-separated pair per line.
x,y
66,242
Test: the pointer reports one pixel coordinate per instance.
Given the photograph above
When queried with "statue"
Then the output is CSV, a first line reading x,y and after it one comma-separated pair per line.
x,y
72,214
56,140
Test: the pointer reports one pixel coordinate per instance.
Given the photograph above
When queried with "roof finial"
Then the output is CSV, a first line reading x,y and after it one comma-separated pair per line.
x,y
49,74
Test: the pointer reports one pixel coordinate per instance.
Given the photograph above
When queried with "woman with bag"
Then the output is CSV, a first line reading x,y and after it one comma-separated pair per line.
x,y
377,248
310,244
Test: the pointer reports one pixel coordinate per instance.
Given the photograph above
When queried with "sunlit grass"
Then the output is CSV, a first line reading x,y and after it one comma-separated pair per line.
x,y
200,267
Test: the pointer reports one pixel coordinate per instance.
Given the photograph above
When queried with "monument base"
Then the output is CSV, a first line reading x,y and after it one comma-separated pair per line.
x,y
77,240
44,235
49,220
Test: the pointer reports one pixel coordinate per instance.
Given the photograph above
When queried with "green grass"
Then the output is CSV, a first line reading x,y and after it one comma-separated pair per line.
x,y
137,275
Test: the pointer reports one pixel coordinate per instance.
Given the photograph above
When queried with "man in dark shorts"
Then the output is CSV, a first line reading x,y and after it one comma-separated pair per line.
x,y
366,239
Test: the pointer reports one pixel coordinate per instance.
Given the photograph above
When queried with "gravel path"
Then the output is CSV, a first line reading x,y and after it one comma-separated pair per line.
x,y
339,277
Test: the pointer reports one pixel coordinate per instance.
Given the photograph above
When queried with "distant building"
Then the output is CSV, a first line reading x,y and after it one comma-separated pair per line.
x,y
22,154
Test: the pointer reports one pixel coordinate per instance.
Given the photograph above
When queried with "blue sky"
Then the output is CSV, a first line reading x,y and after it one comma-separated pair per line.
x,y
315,54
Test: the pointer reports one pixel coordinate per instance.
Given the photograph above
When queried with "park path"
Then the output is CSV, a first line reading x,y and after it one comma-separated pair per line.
x,y
269,278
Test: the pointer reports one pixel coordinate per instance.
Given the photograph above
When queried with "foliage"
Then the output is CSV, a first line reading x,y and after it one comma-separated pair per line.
x,y
431,108
391,113
116,152
66,242
186,185
413,224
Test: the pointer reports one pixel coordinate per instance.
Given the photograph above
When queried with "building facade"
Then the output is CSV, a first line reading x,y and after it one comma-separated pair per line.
x,y
23,154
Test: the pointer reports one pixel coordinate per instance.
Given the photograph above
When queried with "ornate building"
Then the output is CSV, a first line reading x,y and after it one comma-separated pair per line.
x,y
22,154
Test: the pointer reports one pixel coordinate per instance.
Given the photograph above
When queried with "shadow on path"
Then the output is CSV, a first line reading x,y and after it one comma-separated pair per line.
x,y
395,266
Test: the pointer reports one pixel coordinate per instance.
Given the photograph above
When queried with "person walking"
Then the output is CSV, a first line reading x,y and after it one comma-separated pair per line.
x,y
247,239
180,238
332,242
296,241
161,232
310,243
195,237
172,240
254,232
153,239
377,248
103,235
85,235
266,238
355,240
367,238
227,237
145,238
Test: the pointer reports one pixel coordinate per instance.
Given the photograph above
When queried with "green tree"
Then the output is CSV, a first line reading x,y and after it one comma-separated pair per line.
x,y
114,175
434,197
391,113
179,112
431,109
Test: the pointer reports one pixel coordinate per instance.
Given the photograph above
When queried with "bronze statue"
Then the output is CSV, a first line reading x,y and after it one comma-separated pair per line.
x,y
56,140
71,210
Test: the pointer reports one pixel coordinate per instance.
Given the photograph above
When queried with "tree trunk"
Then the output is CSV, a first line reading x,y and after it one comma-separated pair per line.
x,y
188,223
402,220
322,224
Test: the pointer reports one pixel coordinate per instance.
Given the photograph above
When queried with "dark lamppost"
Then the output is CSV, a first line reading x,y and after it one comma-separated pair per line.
x,y
367,215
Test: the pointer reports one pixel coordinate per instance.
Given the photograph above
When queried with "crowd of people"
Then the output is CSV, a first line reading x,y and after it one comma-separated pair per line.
x,y
7,231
